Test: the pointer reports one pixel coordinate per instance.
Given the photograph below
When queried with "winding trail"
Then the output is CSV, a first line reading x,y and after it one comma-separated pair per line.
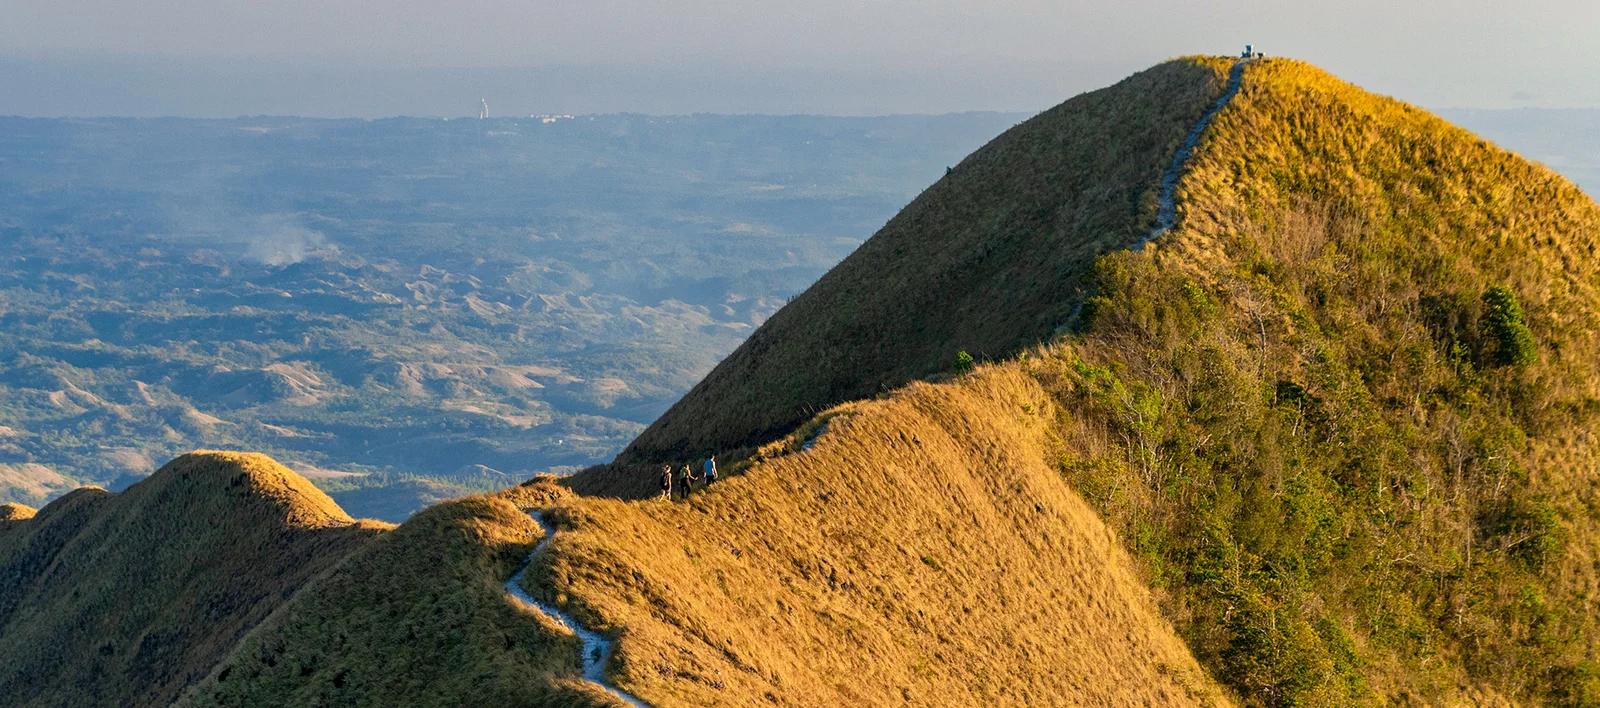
x,y
596,647
1167,207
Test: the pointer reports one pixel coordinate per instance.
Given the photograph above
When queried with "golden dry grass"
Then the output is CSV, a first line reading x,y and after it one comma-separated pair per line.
x,y
127,598
1285,404
925,551
981,578
16,512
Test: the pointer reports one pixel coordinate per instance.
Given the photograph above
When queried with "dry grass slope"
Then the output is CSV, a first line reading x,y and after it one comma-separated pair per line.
x,y
925,551
1342,414
128,598
991,259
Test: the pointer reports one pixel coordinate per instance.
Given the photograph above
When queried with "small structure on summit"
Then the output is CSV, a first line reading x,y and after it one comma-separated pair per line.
x,y
1250,52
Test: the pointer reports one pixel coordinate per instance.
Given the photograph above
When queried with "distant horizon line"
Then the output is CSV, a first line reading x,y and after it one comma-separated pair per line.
x,y
643,114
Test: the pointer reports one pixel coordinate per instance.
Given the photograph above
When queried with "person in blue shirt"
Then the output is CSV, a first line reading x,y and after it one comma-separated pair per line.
x,y
710,468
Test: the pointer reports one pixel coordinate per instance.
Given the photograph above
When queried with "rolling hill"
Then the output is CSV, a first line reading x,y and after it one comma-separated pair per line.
x,y
128,598
1326,441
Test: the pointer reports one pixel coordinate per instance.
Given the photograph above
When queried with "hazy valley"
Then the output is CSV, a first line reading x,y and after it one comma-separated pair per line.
x,y
407,309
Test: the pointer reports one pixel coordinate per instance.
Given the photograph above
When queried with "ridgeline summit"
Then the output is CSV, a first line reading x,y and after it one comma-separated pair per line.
x,y
1326,438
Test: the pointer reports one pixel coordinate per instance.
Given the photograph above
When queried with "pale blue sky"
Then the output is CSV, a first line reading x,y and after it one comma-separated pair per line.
x,y
341,57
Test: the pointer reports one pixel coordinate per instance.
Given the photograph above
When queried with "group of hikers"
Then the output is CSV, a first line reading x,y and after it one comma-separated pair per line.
x,y
678,486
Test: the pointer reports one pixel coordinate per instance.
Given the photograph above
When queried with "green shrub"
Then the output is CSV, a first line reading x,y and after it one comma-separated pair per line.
x,y
964,361
1506,329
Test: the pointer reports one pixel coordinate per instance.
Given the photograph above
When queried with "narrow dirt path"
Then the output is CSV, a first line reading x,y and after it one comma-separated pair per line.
x,y
1167,207
596,647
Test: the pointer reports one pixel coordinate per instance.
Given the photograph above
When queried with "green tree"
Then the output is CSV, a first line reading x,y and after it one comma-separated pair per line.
x,y
1506,328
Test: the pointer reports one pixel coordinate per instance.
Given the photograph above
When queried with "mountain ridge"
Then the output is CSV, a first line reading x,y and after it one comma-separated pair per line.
x,y
1327,440
1045,197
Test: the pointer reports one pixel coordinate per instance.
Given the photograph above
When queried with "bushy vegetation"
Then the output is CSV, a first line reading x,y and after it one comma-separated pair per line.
x,y
964,361
1507,329
1351,463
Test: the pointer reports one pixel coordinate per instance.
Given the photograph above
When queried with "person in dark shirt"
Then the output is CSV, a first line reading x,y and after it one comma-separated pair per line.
x,y
681,484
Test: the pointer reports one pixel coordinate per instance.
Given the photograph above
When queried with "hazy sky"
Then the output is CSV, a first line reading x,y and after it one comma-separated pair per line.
x,y
340,57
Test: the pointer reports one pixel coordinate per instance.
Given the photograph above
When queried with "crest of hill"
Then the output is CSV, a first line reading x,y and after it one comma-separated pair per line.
x,y
991,259
1342,413
958,565
127,598
16,512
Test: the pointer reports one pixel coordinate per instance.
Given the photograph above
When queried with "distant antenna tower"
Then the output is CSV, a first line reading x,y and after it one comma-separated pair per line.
x,y
483,112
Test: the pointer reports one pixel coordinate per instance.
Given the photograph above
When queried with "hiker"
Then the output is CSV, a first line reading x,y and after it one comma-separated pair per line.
x,y
1249,51
682,482
694,479
666,482
710,470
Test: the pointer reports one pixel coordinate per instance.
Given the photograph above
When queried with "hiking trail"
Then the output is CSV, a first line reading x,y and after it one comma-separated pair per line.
x,y
1166,206
596,647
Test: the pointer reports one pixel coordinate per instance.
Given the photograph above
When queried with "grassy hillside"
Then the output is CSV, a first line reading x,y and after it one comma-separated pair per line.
x,y
1341,415
991,259
418,618
1344,412
127,598
924,551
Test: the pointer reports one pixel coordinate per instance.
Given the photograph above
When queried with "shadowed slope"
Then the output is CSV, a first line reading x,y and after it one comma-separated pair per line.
x,y
419,617
126,598
990,259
